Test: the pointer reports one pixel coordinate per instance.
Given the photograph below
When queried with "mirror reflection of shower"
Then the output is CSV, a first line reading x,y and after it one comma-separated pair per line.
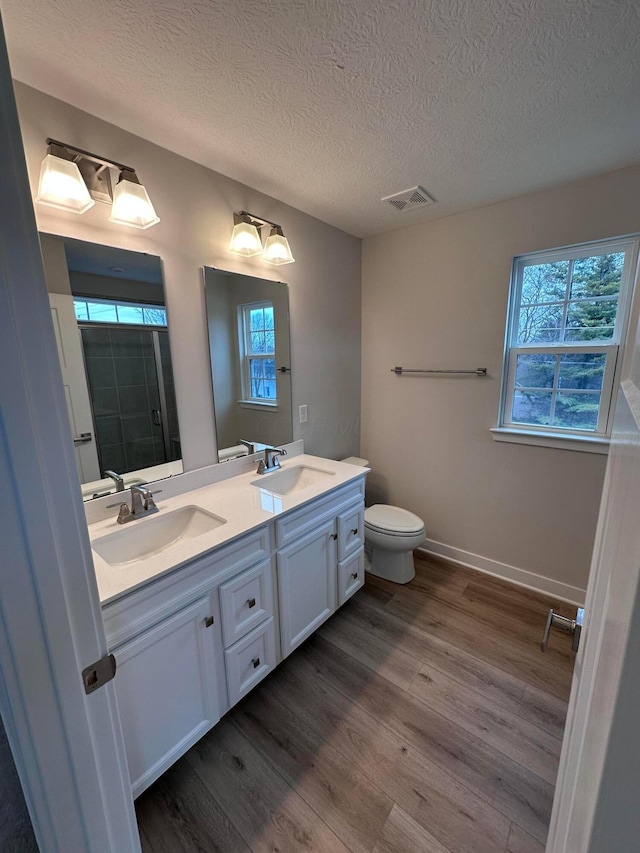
x,y
110,321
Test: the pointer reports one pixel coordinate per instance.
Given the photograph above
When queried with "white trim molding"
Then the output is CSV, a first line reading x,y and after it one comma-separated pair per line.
x,y
584,443
512,574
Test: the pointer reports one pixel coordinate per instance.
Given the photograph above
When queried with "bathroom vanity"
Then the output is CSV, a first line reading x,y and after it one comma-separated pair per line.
x,y
204,598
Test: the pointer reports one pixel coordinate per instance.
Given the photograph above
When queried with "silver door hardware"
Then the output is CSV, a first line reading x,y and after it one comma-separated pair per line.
x,y
83,438
256,663
99,673
208,621
251,602
570,626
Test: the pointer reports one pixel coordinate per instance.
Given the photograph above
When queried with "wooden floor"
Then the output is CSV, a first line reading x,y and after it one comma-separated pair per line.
x,y
419,718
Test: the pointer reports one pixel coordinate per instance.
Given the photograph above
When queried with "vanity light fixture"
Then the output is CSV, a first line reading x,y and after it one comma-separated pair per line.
x,y
246,239
73,179
277,249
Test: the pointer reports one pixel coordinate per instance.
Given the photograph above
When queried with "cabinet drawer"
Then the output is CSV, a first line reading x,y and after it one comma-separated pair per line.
x,y
306,519
350,531
249,660
350,576
245,602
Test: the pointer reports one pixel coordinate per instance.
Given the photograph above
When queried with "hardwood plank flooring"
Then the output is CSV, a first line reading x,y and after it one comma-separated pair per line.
x,y
419,719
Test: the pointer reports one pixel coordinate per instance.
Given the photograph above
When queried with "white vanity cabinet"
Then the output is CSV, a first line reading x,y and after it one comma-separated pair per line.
x,y
191,643
166,691
320,562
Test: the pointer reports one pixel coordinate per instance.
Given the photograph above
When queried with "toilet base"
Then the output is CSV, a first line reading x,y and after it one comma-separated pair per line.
x,y
394,566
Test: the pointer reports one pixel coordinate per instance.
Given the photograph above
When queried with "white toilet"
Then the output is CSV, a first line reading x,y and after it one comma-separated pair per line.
x,y
390,535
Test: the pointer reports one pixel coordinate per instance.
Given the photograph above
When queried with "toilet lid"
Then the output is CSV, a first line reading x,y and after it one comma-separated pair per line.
x,y
392,518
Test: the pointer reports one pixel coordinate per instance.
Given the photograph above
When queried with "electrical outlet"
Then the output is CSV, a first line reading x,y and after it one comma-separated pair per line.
x,y
303,414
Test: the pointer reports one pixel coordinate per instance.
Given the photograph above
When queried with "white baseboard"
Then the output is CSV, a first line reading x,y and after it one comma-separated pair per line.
x,y
520,577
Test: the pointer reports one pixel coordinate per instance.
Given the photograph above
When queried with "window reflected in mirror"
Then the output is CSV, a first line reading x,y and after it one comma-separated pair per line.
x,y
248,323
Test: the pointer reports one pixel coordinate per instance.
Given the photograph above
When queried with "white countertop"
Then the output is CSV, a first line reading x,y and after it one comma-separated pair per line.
x,y
243,506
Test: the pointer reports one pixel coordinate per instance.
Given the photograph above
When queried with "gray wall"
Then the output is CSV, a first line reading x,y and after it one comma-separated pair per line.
x,y
435,295
196,208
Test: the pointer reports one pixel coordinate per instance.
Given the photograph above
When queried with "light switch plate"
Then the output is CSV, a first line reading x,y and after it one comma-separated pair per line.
x,y
303,414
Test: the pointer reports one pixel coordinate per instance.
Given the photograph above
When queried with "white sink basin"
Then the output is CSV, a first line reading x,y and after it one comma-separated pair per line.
x,y
146,536
292,479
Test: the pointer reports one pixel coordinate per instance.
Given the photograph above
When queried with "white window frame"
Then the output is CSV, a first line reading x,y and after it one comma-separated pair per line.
x,y
613,348
246,356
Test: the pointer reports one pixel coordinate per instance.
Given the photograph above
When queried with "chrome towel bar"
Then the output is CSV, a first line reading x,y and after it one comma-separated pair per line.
x,y
478,371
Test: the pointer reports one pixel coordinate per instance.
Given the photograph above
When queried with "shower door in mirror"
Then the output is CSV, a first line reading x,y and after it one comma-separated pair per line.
x,y
110,321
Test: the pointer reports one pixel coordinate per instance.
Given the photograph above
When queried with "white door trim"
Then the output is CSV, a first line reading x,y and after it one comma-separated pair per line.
x,y
67,746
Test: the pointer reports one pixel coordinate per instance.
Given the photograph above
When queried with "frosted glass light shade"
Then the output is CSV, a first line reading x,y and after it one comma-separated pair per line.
x,y
132,206
62,186
245,240
277,250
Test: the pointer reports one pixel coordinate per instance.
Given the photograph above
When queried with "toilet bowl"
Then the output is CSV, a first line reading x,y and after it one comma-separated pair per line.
x,y
390,534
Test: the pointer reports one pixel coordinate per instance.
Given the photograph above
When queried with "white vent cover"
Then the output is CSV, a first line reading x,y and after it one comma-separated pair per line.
x,y
410,199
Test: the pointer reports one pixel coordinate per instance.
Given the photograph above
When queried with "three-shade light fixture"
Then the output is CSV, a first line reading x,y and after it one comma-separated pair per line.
x,y
73,179
246,239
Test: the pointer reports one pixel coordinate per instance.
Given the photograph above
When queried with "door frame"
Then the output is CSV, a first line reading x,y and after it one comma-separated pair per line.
x,y
68,747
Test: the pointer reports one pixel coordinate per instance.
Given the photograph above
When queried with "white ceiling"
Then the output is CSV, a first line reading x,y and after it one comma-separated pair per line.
x,y
329,105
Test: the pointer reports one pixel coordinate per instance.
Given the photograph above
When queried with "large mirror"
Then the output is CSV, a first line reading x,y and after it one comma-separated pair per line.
x,y
248,321
110,322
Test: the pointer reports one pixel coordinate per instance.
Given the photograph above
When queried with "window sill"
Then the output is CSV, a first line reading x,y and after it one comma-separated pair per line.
x,y
252,404
584,443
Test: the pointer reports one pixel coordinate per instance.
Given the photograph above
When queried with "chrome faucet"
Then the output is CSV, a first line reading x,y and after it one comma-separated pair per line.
x,y
117,479
142,503
248,444
270,461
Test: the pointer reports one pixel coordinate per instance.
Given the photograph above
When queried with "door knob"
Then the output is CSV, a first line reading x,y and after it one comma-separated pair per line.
x,y
569,626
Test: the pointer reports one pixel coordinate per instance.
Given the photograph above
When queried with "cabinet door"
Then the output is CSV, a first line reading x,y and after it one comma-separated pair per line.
x,y
306,585
165,684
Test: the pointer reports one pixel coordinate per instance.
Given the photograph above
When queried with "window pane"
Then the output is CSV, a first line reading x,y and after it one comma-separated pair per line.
x,y
269,368
544,282
101,312
130,314
577,410
258,342
269,386
269,342
532,407
257,368
81,309
256,319
155,316
592,320
582,371
539,324
535,371
597,276
268,318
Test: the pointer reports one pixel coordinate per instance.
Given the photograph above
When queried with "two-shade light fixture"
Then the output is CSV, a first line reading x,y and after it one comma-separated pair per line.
x,y
73,179
246,239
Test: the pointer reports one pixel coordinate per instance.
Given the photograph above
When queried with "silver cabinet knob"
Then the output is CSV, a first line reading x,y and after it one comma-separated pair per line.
x,y
569,626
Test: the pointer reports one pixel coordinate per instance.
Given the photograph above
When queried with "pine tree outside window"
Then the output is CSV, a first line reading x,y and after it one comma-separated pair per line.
x,y
565,331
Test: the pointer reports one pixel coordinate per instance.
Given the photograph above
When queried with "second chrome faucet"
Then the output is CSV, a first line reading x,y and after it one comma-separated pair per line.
x,y
270,461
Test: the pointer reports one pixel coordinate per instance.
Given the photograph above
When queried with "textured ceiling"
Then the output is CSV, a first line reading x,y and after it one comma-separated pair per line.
x,y
329,105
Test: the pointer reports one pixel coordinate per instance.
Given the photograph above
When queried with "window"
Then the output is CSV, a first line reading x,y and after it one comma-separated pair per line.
x,y
565,331
258,352
126,313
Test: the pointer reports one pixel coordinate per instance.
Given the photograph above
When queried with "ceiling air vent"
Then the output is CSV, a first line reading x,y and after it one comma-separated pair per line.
x,y
410,199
